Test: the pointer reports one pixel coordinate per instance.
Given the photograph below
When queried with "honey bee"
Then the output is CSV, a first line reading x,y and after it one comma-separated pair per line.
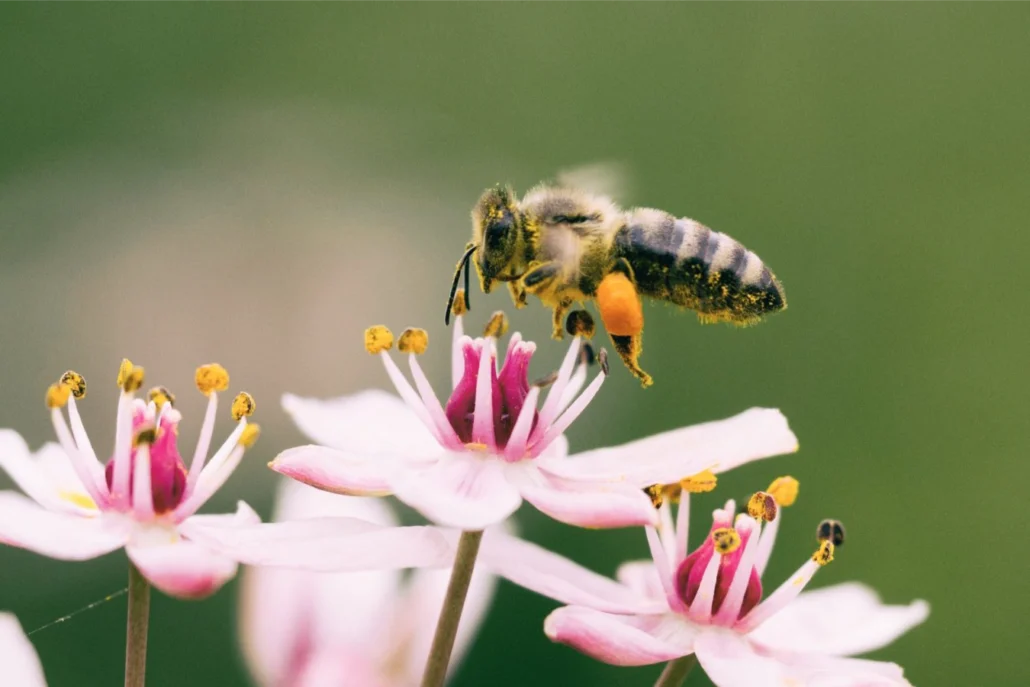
x,y
565,246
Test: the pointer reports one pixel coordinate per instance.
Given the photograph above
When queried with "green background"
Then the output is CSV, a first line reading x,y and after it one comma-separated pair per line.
x,y
255,184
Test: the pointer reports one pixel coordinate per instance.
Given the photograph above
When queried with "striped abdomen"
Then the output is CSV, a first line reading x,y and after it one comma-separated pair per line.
x,y
686,263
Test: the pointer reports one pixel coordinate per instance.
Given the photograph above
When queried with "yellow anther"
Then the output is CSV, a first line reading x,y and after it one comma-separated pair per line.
x,y
580,323
130,377
458,308
378,339
497,326
700,483
147,435
159,395
726,540
75,382
242,406
784,490
413,340
57,396
124,370
762,506
832,531
655,492
211,377
825,553
249,435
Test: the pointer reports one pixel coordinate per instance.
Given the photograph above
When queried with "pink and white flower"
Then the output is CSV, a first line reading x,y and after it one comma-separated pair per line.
x,y
710,603
470,462
363,629
20,663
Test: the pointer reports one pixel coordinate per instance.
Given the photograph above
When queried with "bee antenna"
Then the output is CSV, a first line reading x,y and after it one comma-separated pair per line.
x,y
463,263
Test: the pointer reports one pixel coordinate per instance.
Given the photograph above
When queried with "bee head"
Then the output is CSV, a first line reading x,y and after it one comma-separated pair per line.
x,y
495,226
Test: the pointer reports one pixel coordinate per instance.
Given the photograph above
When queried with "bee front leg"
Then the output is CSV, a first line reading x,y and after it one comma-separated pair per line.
x,y
518,294
558,318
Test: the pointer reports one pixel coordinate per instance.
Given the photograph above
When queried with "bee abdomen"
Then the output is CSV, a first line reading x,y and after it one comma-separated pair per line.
x,y
686,263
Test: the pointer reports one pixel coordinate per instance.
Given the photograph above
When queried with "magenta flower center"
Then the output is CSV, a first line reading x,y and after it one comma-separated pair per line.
x,y
509,389
692,569
167,471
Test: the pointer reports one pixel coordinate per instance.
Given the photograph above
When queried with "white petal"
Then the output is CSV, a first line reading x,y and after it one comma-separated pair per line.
x,y
326,544
841,620
341,472
670,456
622,640
296,501
369,423
463,491
18,656
64,536
730,661
46,475
593,505
642,578
558,578
182,569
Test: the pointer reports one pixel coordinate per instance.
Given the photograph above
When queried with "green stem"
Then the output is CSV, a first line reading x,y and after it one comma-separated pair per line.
x,y
453,604
676,671
136,629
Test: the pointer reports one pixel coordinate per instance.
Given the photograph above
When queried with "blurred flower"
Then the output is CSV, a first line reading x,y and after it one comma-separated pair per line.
x,y
709,603
470,463
143,500
17,656
363,629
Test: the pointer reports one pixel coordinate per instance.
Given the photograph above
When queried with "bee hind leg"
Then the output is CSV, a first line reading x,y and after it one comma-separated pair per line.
x,y
623,317
629,349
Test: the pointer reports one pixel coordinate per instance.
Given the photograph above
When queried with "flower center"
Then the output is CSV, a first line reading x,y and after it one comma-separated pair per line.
x,y
729,544
167,470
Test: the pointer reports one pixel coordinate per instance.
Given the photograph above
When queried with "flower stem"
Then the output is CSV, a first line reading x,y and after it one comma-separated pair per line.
x,y
676,671
453,603
136,629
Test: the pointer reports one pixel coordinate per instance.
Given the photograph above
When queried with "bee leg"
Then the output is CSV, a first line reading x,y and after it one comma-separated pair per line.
x,y
518,294
539,277
558,319
623,317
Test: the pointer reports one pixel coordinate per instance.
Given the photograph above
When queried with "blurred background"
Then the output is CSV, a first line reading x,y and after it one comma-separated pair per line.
x,y
256,184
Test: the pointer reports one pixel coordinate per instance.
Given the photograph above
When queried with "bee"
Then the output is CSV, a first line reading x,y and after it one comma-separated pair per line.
x,y
566,246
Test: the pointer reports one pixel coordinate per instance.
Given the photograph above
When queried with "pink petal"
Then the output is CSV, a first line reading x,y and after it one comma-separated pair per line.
x,y
841,620
465,491
46,475
642,578
18,657
337,471
183,569
371,423
558,578
64,536
730,661
668,457
326,544
585,504
621,640
830,671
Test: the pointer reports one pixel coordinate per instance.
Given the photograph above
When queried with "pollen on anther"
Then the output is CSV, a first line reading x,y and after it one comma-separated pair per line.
x,y
762,506
242,406
378,338
159,395
726,540
147,435
57,396
830,530
75,382
655,492
497,326
580,323
250,435
602,360
211,377
413,340
784,490
824,554
130,377
458,307
701,483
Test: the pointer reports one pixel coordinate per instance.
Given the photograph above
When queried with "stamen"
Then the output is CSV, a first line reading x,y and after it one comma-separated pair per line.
x,y
831,531
458,308
75,382
413,340
57,396
130,377
656,492
83,443
160,396
580,323
602,360
242,406
142,491
122,443
668,533
577,406
725,540
407,393
431,402
701,483
207,428
729,611
222,464
249,435
784,490
551,406
762,506
682,525
787,591
516,447
86,475
497,326
483,415
701,607
211,377
457,355
824,555
547,380
661,564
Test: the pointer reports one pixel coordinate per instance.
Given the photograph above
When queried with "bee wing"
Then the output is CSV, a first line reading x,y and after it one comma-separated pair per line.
x,y
609,179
